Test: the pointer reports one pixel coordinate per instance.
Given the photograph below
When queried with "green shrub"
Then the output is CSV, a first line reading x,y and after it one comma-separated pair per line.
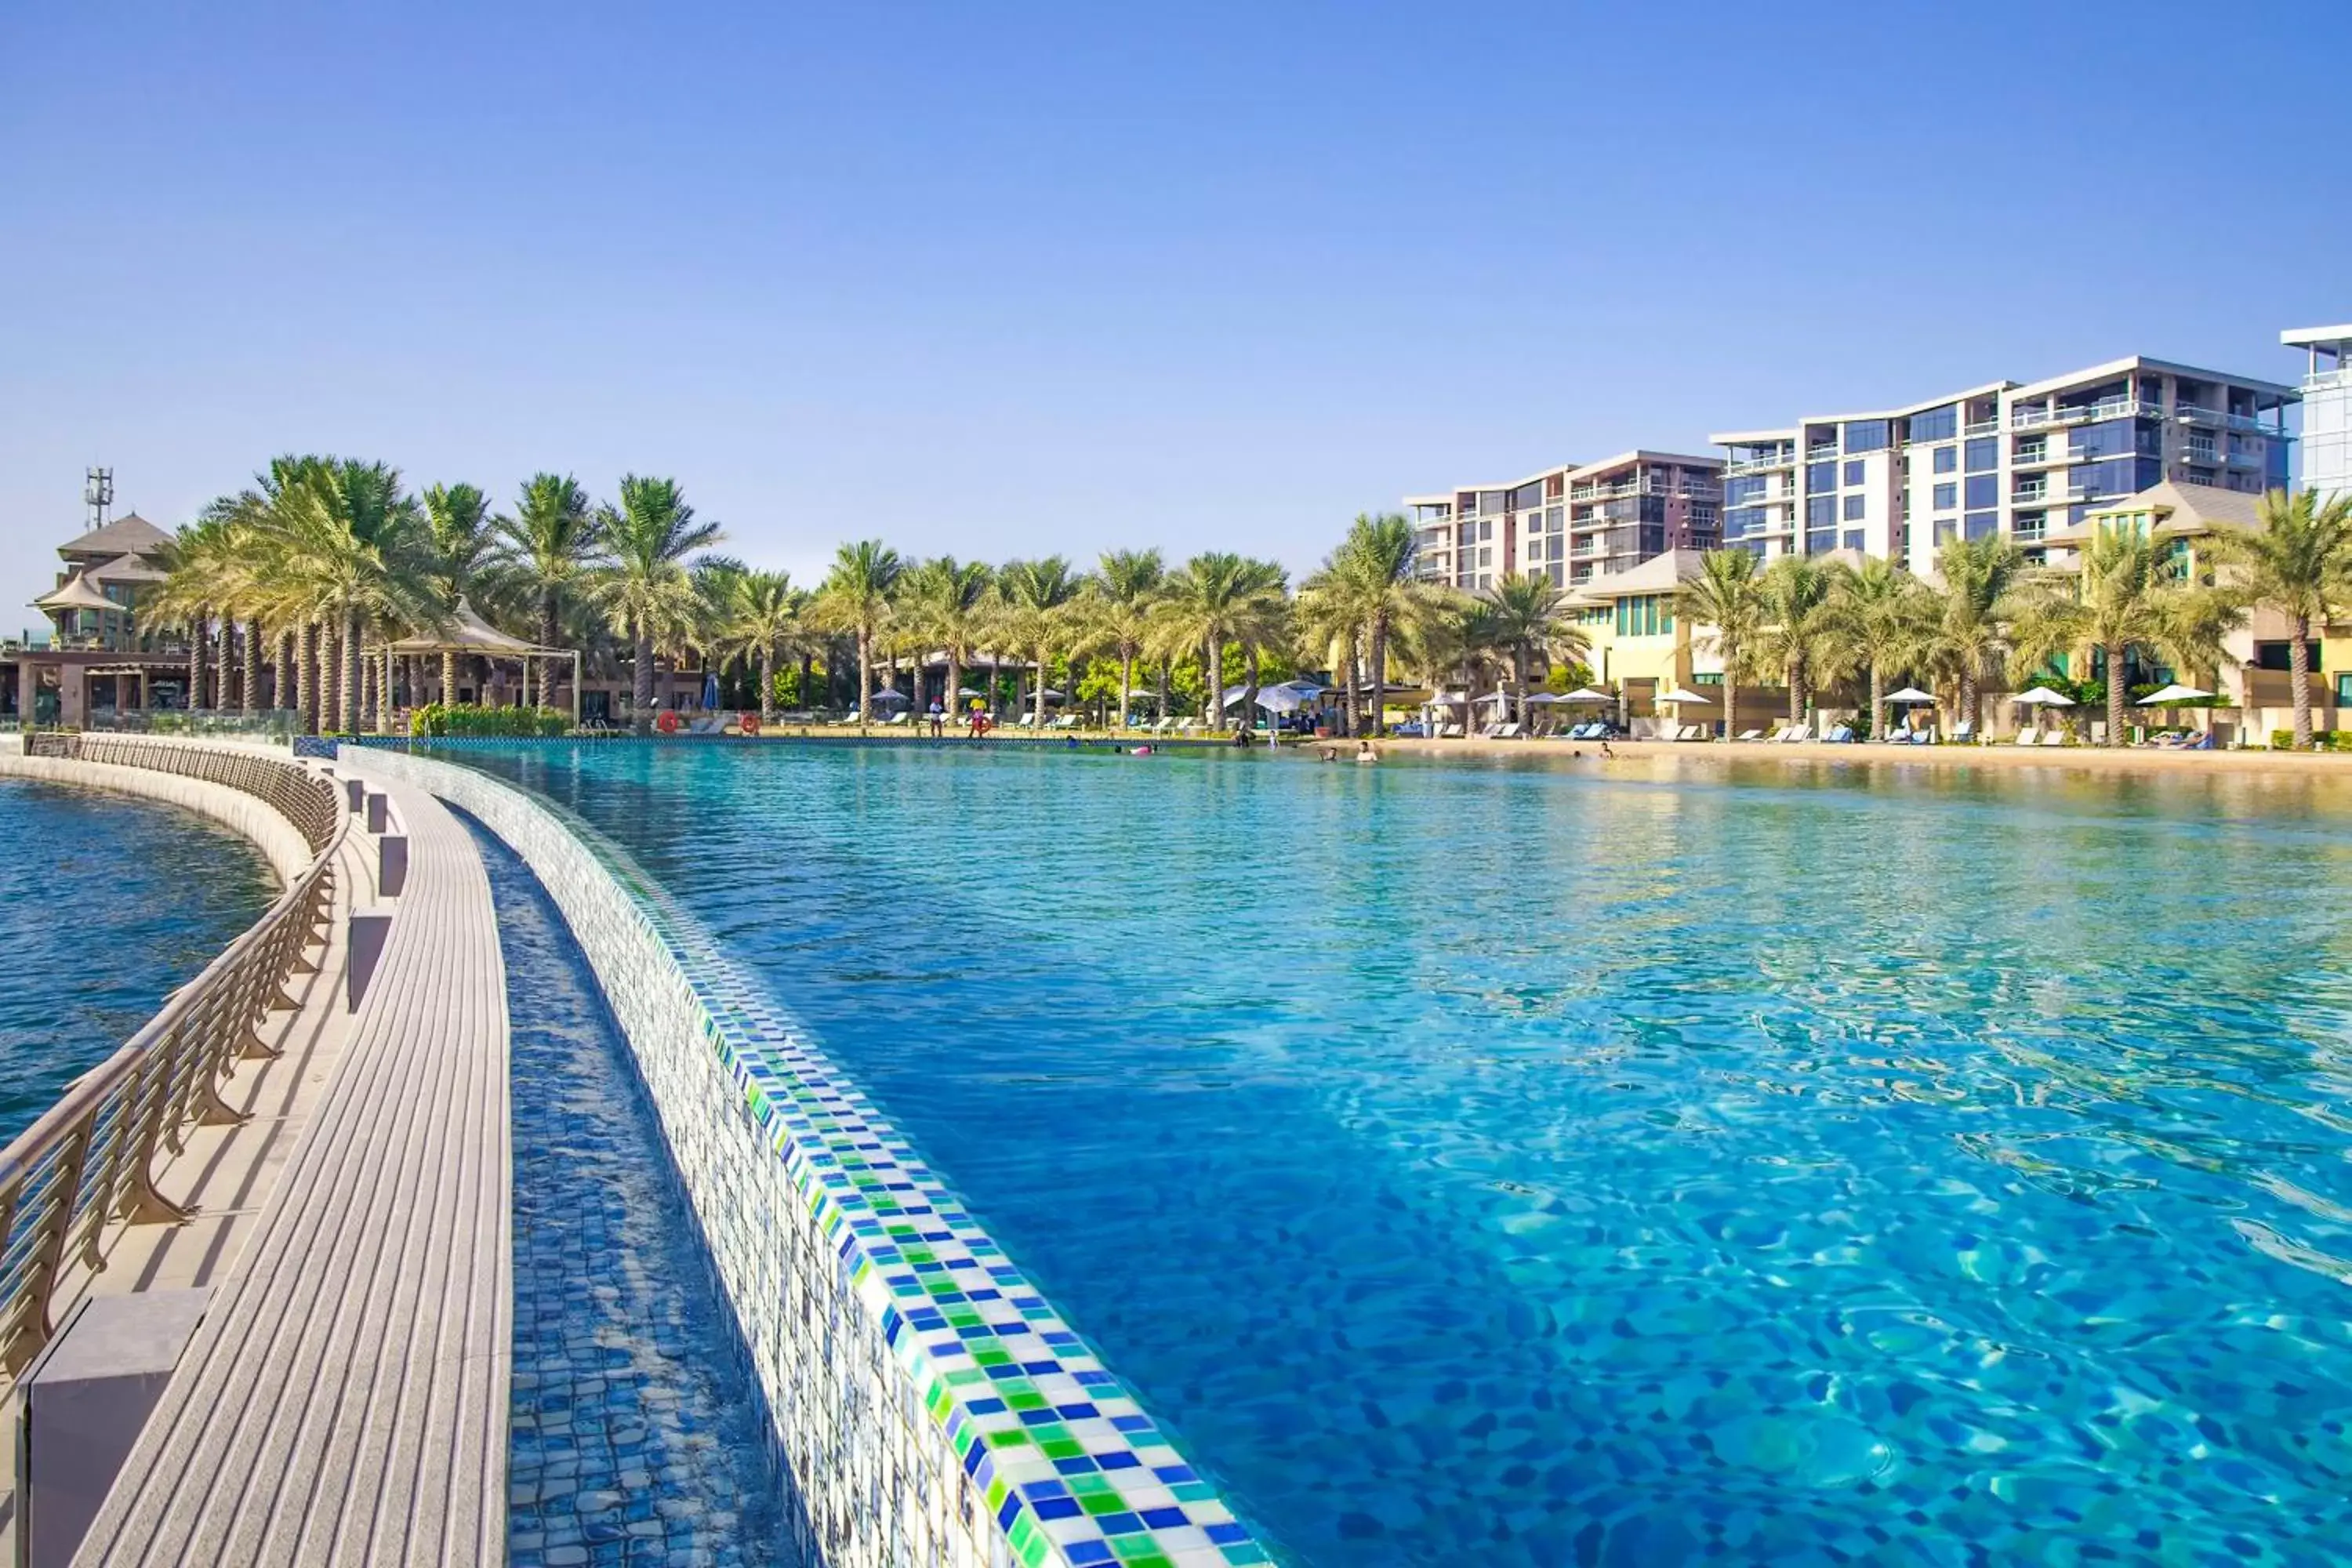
x,y
464,719
2321,740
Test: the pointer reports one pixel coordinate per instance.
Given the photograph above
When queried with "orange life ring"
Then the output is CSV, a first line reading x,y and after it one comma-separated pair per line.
x,y
748,723
667,721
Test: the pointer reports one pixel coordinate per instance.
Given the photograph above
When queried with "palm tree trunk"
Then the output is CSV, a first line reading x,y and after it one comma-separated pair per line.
x,y
1212,705
351,662
1731,703
767,683
1796,691
2299,665
248,685
197,637
2116,695
1125,680
1038,697
1249,692
949,699
865,676
1163,685
1877,729
306,678
640,677
1379,696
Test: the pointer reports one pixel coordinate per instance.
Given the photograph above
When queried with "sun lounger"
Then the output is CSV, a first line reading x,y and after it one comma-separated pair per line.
x,y
2030,737
1691,732
900,717
1841,736
1451,732
2054,737
1795,733
707,725
1964,732
1751,735
1503,732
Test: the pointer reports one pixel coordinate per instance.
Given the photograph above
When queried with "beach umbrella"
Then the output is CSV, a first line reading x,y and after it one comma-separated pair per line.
x,y
968,692
1546,697
2042,697
1910,694
2172,695
1496,698
1684,694
1586,694
709,689
1050,695
890,696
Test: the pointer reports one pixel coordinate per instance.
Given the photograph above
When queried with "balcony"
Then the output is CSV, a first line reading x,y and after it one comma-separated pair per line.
x,y
2083,414
1822,452
2030,532
2329,381
2249,422
1761,465
2036,457
1981,427
2034,490
2246,459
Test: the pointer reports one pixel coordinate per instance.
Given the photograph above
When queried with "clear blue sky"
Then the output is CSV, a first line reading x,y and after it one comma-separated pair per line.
x,y
1018,279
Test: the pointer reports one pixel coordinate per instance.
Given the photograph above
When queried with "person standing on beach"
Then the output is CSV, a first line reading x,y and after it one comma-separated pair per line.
x,y
938,718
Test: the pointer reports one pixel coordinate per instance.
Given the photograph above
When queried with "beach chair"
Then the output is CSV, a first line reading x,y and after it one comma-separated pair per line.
x,y
705,725
1504,731
2029,736
1964,732
1796,733
1842,735
2054,737
1028,721
1450,733
903,716
1751,735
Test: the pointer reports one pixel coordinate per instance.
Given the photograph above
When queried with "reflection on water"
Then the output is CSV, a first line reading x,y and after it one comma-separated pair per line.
x,y
1636,1163
106,905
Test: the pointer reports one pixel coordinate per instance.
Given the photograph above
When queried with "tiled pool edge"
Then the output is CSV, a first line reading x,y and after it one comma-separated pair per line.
x,y
928,1403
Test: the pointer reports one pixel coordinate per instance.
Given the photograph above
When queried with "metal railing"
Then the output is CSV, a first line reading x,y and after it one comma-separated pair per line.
x,y
92,1158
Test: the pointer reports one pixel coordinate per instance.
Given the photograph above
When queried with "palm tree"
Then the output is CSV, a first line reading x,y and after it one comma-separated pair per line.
x,y
644,589
1038,595
2129,593
1978,577
1727,599
1331,618
1127,584
1523,617
549,547
1880,620
1377,564
948,601
1796,614
1220,597
855,598
458,520
761,616
206,572
2299,564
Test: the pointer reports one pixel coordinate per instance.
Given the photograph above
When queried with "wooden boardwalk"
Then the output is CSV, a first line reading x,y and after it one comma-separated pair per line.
x,y
345,1398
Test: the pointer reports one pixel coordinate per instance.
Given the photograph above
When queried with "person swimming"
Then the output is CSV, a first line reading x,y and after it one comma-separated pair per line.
x,y
1365,755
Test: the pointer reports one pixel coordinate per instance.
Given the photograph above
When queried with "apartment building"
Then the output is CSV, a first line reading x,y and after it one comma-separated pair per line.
x,y
1572,523
2326,407
2018,460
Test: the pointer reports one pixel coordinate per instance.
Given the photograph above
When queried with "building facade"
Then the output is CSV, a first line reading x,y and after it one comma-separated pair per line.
x,y
2020,460
2326,407
1570,523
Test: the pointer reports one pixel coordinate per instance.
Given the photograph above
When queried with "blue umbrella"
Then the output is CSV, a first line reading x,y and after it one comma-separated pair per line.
x,y
711,689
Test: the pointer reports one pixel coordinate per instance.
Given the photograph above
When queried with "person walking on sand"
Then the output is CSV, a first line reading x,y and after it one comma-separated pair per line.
x,y
939,719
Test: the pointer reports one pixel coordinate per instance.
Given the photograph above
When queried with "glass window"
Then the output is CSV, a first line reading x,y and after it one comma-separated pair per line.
x,y
1983,525
1528,497
1820,475
1984,453
1821,543
1854,539
1820,510
1853,472
1865,435
1486,529
1854,508
1984,489
1948,460
1747,486
1946,497
1937,424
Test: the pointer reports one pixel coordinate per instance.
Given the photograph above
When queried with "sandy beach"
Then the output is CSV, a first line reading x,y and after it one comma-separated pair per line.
x,y
2079,759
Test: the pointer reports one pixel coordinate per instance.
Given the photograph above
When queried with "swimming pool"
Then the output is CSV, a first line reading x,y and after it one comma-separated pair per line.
x,y
1553,1163
106,904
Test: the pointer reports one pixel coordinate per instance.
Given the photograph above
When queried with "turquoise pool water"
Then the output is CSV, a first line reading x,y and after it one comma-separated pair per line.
x,y
106,904
1637,1164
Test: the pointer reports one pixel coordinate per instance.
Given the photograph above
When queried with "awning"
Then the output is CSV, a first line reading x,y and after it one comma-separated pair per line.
x,y
76,594
468,633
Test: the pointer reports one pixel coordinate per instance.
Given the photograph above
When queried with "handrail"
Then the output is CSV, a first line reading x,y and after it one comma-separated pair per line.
x,y
91,1156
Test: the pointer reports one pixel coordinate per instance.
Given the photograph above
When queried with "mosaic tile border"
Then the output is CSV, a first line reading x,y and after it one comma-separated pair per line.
x,y
932,1407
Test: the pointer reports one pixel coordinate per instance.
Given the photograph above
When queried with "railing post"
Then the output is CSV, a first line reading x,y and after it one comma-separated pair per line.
x,y
29,1328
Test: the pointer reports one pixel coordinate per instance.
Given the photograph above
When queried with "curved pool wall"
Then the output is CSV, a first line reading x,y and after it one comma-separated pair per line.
x,y
927,1402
